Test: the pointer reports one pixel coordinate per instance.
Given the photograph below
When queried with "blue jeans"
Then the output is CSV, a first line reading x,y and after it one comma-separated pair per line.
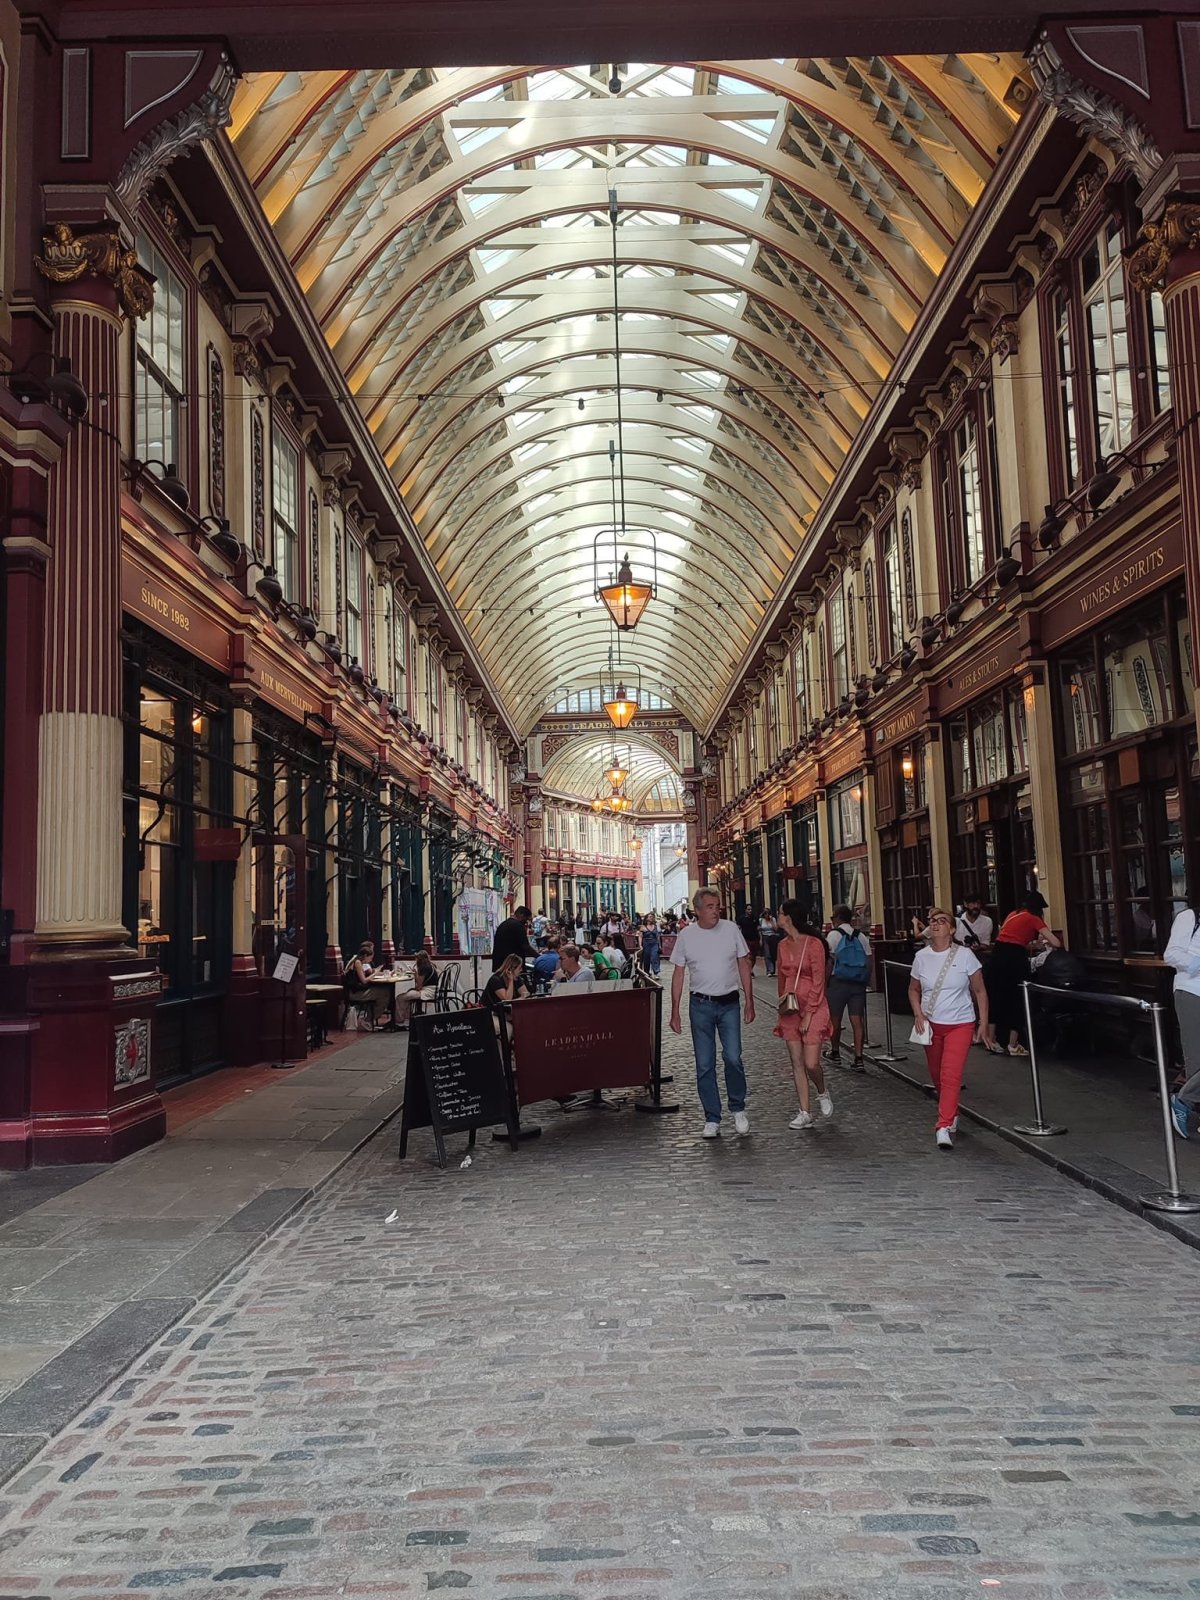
x,y
707,1019
652,955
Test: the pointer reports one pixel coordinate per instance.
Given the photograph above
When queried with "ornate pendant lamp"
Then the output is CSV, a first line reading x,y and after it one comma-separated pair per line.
x,y
622,707
624,596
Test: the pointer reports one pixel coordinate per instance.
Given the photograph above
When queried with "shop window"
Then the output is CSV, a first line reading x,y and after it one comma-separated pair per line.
x,y
1079,700
1089,860
159,367
354,628
1102,277
1136,657
990,753
285,512
178,781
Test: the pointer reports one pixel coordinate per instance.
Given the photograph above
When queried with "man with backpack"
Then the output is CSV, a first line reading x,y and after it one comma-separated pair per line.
x,y
850,971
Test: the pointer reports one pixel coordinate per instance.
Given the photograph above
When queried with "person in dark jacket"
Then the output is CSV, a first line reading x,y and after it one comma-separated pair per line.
x,y
512,938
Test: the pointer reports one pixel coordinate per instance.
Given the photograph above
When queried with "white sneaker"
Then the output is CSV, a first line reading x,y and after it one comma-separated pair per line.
x,y
954,1126
945,1139
803,1119
712,1130
741,1122
826,1104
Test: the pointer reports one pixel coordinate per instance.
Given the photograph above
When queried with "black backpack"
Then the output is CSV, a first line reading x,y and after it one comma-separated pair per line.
x,y
1062,970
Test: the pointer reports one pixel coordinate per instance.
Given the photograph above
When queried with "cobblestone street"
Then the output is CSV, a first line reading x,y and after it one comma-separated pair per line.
x,y
625,1363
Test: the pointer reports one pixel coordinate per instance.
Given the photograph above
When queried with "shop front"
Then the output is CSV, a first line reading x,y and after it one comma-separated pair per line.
x,y
899,746
755,881
1122,683
993,851
406,868
804,879
181,844
441,880
776,843
849,865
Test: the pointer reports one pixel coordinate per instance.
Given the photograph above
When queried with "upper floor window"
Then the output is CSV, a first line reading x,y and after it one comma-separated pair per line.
x,y
159,368
400,656
1108,376
285,511
354,627
800,690
970,489
838,652
1105,313
892,608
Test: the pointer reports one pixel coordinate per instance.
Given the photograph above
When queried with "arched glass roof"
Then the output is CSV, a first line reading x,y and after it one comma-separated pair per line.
x,y
653,784
779,223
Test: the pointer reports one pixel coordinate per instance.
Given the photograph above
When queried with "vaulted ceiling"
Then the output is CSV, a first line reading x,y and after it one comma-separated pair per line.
x,y
778,226
653,786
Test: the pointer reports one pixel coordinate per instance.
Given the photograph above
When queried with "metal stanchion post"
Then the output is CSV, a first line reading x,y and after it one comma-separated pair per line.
x,y
1039,1128
889,1055
1173,1198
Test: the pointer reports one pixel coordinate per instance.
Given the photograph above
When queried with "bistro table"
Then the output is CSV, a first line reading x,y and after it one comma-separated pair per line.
x,y
318,999
400,981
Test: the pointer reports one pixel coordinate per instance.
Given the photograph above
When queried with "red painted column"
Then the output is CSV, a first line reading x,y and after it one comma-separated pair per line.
x,y
88,998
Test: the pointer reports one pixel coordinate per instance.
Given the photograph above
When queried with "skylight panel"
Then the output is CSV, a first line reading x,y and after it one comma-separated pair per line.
x,y
500,308
567,157
759,129
731,251
710,379
493,260
553,86
526,452
676,517
705,413
680,471
480,200
538,475
726,83
740,196
473,136
727,302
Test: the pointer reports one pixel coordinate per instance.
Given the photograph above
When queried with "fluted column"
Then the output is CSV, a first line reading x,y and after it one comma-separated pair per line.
x,y
80,735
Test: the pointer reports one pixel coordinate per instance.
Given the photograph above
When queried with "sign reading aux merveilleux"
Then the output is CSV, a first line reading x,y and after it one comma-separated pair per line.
x,y
457,1079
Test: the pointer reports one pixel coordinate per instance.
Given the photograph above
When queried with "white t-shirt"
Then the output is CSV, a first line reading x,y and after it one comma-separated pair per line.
x,y
954,1002
711,956
843,930
1183,953
981,929
617,956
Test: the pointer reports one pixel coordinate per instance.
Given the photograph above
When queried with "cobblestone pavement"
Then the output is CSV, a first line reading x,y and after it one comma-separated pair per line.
x,y
623,1363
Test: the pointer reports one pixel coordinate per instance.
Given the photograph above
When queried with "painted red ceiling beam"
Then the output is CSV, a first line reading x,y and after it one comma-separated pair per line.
x,y
312,34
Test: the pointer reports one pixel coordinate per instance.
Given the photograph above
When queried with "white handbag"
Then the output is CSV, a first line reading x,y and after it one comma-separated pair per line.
x,y
925,1035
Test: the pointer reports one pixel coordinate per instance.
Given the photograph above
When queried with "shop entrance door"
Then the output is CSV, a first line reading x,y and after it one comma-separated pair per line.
x,y
281,929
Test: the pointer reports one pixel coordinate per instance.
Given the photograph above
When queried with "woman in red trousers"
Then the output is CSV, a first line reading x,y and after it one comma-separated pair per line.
x,y
944,991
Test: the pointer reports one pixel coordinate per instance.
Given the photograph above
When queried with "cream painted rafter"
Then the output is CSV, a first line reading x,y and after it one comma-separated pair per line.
x,y
780,224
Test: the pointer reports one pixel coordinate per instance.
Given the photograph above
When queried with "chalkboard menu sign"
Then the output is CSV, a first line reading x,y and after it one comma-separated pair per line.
x,y
458,1078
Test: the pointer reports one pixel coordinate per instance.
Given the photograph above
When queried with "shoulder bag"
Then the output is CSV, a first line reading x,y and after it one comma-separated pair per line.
x,y
790,1004
925,1035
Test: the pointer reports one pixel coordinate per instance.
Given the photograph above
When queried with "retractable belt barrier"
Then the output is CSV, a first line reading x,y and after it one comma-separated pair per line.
x,y
1172,1198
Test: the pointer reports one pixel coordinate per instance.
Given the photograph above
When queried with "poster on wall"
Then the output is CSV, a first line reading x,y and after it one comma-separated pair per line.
x,y
478,919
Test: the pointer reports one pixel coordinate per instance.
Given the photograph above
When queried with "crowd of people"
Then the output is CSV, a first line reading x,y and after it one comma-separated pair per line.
x,y
964,988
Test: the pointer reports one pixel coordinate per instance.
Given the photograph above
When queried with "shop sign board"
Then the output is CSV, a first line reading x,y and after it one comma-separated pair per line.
x,y
981,671
1134,571
842,761
457,1079
164,606
900,724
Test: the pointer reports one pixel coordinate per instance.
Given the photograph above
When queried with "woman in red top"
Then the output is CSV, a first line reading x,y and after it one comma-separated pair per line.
x,y
800,965
1007,968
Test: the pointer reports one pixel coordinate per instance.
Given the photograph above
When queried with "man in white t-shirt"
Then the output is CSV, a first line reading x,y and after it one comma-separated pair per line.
x,y
717,959
973,927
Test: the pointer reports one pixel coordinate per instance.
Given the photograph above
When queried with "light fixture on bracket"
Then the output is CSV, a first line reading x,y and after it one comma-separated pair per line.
x,y
624,596
168,480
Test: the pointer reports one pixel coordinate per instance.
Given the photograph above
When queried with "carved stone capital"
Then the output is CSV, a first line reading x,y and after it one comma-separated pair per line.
x,y
1178,229
68,257
1095,112
202,120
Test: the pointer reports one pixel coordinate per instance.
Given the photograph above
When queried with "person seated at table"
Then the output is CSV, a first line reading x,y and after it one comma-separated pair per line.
x,y
357,985
614,954
603,967
545,968
424,987
507,983
570,969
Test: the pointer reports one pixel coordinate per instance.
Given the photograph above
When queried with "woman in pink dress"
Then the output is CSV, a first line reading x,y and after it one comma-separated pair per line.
x,y
800,965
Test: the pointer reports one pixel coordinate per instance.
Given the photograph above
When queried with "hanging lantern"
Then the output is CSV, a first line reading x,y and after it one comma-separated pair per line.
x,y
625,597
622,708
598,803
616,774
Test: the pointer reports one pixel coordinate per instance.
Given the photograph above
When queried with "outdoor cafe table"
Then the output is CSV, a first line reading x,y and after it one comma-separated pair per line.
x,y
400,981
